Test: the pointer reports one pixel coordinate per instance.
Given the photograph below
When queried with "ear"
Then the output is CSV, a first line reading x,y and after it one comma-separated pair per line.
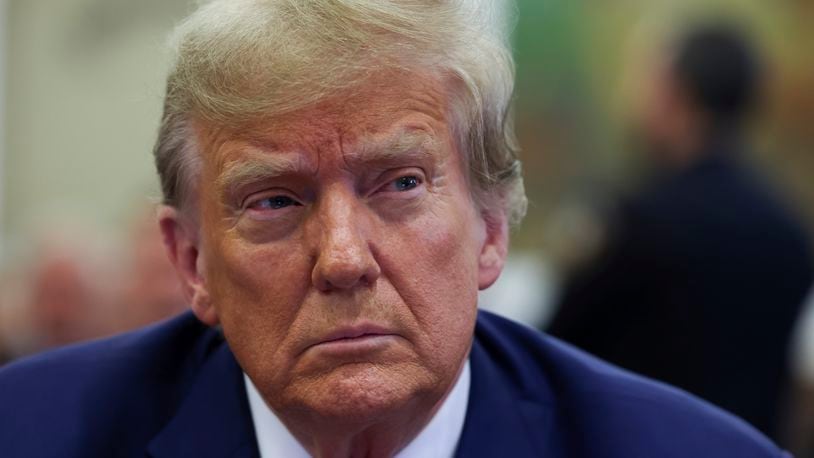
x,y
495,247
181,241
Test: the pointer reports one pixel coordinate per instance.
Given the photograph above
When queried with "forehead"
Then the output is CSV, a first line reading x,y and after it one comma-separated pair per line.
x,y
386,110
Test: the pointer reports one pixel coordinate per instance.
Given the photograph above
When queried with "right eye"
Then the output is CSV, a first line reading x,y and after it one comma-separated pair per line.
x,y
273,203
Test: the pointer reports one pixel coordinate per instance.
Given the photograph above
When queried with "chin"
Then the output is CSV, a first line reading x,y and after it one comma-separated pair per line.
x,y
364,392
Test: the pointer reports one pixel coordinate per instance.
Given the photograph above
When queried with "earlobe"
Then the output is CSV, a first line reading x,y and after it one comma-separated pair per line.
x,y
181,242
495,248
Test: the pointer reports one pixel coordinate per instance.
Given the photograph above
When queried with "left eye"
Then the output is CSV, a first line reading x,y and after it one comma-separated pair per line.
x,y
274,203
406,183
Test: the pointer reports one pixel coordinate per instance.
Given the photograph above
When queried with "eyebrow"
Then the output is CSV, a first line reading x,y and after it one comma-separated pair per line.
x,y
403,147
240,173
409,146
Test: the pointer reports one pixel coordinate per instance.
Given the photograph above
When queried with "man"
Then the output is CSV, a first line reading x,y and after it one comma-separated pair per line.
x,y
339,179
707,269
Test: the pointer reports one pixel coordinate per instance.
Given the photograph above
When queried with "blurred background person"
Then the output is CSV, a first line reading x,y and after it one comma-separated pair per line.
x,y
147,289
77,286
60,289
704,271
54,297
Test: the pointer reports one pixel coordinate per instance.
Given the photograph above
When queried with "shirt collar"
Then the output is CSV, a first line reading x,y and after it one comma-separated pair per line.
x,y
438,439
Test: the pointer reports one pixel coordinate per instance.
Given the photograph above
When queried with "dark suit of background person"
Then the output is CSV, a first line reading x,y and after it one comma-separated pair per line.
x,y
706,269
176,390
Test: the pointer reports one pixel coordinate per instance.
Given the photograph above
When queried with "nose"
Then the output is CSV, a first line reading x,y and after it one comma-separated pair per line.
x,y
344,258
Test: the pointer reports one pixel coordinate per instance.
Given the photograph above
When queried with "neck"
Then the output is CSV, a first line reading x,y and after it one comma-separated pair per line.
x,y
385,438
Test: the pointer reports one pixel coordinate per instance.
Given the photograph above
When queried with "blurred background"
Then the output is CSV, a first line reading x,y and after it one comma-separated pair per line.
x,y
81,83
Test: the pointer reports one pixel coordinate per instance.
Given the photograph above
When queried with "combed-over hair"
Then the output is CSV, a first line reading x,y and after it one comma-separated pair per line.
x,y
240,60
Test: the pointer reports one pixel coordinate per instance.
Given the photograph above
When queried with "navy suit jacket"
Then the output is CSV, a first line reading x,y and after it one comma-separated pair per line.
x,y
175,390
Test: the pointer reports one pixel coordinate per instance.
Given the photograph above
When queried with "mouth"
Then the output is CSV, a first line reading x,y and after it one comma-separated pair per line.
x,y
355,339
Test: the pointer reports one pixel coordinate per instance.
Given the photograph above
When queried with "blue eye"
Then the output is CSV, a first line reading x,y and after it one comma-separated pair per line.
x,y
406,183
275,203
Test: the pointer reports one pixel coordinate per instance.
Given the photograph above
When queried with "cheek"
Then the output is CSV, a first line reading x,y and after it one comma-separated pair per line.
x,y
436,274
257,291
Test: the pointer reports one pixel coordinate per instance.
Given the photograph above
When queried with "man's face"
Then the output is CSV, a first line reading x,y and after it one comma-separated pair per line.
x,y
341,250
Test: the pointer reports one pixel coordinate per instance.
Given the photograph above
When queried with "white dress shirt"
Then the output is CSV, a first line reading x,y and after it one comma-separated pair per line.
x,y
437,440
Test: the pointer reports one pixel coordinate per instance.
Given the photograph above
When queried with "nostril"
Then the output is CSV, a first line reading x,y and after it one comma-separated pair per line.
x,y
345,273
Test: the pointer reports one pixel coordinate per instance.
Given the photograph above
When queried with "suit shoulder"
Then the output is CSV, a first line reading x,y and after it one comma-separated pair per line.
x,y
151,348
90,389
610,408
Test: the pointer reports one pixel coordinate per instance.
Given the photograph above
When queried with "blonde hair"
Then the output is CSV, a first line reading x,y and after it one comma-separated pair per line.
x,y
237,60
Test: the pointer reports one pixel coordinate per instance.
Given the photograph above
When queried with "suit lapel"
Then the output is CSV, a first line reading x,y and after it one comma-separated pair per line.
x,y
214,420
499,422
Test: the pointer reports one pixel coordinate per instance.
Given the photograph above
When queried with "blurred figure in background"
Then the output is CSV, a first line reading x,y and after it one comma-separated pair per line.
x,y
53,297
148,288
705,270
73,287
61,292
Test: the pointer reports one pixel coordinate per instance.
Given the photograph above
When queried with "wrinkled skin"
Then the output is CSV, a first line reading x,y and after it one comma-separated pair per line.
x,y
352,214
